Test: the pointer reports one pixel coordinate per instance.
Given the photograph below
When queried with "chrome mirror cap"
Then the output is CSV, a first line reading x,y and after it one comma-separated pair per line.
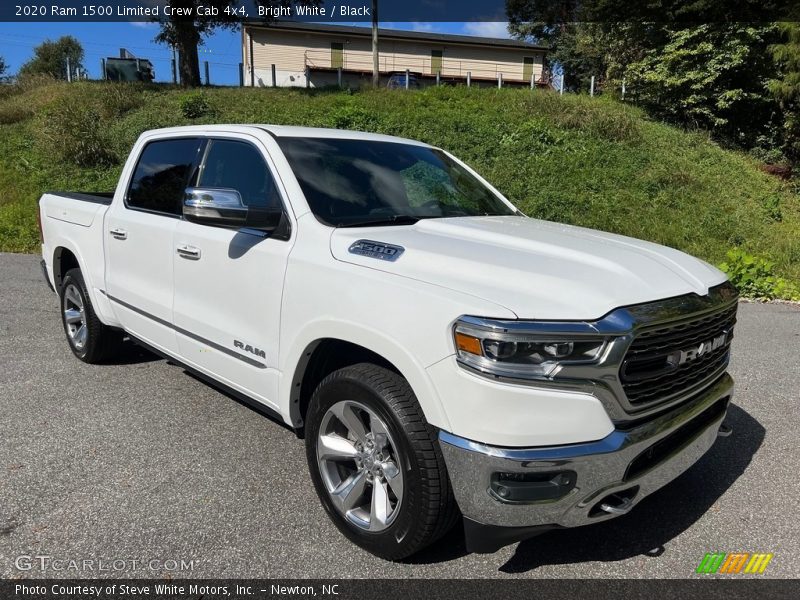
x,y
214,206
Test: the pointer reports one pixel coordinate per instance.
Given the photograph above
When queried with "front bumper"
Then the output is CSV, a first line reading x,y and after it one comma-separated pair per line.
x,y
617,471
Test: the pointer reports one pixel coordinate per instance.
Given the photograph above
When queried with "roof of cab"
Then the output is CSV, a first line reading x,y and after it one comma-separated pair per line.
x,y
285,131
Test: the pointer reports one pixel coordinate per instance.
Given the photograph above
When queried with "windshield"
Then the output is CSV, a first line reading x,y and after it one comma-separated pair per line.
x,y
350,183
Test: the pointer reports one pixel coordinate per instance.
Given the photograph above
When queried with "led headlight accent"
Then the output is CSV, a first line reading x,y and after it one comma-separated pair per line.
x,y
519,353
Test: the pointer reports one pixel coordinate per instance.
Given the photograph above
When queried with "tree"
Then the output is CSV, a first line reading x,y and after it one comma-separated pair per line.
x,y
682,60
186,33
714,76
51,58
3,66
785,86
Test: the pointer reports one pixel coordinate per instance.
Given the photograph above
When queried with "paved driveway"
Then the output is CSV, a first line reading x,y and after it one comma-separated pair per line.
x,y
140,461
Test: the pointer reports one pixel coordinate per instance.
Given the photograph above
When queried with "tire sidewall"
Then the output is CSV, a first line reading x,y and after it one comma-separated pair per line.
x,y
391,541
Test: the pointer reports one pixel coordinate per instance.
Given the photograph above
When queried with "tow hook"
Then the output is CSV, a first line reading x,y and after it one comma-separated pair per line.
x,y
724,430
619,503
623,507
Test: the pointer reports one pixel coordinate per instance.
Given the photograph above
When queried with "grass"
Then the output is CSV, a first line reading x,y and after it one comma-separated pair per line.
x,y
588,161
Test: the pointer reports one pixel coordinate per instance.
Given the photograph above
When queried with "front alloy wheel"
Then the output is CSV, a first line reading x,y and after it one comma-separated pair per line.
x,y
376,463
358,461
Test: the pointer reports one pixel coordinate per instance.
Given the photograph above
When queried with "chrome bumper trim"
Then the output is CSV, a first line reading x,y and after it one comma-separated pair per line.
x,y
601,466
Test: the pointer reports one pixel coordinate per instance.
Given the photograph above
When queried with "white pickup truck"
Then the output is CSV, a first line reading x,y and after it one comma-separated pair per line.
x,y
442,354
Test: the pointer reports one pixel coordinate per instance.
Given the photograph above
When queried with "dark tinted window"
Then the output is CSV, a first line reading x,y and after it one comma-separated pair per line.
x,y
239,166
353,182
161,175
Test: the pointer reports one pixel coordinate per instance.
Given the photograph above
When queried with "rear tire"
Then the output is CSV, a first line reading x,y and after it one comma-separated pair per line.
x,y
366,435
88,338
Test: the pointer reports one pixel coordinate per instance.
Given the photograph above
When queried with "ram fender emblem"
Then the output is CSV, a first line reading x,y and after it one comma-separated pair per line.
x,y
690,354
379,250
249,348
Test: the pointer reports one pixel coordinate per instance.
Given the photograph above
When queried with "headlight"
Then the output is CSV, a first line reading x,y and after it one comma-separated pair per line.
x,y
524,351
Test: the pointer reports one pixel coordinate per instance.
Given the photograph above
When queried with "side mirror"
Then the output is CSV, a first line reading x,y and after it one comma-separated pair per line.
x,y
224,208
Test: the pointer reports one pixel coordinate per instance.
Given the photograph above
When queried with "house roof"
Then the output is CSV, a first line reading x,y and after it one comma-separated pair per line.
x,y
397,34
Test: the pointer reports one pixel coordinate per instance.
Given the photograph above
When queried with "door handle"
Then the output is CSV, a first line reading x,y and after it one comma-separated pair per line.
x,y
119,234
189,252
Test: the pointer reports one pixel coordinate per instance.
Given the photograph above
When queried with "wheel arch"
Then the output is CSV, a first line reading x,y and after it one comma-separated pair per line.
x,y
64,259
323,355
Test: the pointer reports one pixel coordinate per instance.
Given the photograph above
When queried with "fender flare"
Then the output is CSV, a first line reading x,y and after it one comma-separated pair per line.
x,y
302,348
99,301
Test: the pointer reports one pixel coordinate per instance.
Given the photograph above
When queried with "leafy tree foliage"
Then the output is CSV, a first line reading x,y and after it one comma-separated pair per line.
x,y
3,66
50,58
786,85
714,76
715,64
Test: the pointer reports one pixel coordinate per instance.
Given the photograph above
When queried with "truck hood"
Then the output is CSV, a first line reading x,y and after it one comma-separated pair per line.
x,y
536,269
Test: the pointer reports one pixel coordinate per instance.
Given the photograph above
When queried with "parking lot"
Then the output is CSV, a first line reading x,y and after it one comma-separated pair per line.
x,y
140,461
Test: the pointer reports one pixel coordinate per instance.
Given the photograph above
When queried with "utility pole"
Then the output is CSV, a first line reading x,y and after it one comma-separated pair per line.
x,y
376,67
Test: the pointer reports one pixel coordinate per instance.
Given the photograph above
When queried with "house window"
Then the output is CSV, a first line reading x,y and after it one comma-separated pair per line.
x,y
527,68
337,55
436,61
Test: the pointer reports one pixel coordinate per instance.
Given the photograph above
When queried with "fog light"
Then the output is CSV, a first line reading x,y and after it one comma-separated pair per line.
x,y
531,487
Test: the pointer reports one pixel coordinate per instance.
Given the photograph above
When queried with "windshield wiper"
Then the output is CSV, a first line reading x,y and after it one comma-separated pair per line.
x,y
393,220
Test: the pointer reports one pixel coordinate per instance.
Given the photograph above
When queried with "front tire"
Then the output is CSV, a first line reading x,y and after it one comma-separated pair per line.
x,y
376,464
89,339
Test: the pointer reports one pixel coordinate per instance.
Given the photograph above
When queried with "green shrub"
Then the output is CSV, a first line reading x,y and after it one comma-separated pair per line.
x,y
14,112
755,277
74,131
32,81
117,99
195,105
352,117
772,208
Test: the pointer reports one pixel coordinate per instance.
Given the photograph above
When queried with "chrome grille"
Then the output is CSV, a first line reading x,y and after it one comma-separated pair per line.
x,y
656,367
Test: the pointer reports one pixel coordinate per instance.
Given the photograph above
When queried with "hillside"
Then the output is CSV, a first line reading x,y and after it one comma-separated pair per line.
x,y
588,161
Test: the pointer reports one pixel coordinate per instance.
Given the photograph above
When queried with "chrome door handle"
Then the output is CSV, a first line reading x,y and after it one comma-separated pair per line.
x,y
119,234
189,252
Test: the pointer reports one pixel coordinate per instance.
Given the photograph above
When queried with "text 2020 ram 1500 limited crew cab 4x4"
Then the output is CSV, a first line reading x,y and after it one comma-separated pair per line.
x,y
441,353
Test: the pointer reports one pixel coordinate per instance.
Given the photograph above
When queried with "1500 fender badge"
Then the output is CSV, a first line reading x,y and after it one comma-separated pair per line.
x,y
377,250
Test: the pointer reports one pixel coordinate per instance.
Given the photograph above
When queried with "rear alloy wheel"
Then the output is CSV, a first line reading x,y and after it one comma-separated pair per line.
x,y
74,318
376,462
89,339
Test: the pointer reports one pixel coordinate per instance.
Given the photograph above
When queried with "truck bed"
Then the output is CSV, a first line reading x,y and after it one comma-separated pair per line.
x,y
96,197
78,208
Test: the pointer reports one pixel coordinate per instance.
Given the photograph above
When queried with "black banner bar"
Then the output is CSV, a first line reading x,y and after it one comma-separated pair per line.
x,y
347,11
261,589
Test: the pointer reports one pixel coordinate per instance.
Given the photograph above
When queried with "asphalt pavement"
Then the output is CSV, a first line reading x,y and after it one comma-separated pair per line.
x,y
140,463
